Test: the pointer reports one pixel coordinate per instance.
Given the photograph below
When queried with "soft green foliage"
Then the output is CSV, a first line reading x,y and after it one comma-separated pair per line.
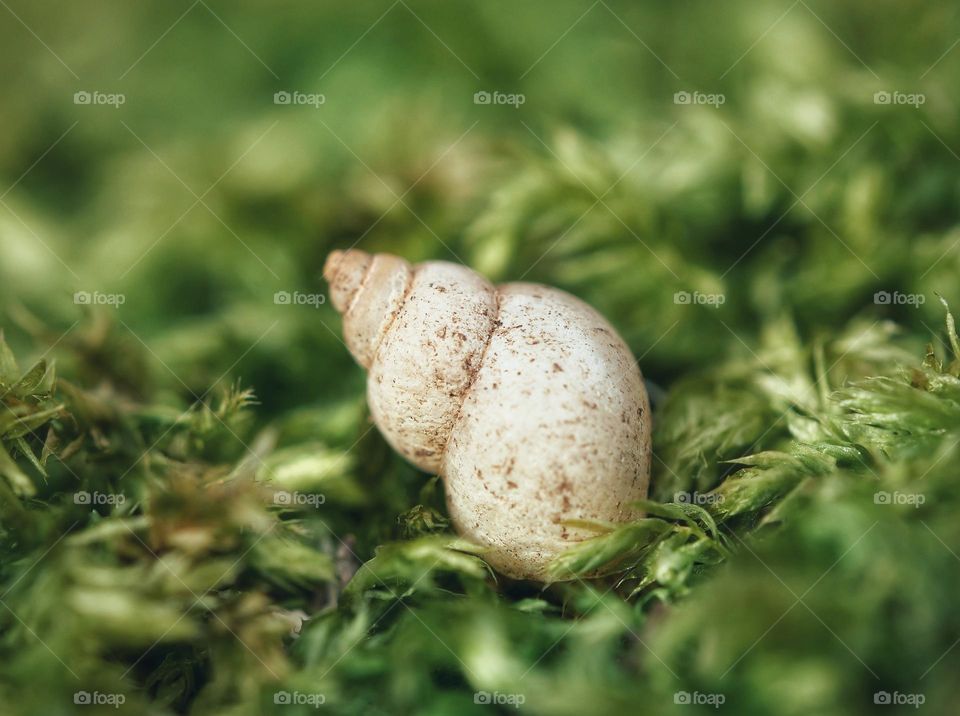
x,y
197,514
182,573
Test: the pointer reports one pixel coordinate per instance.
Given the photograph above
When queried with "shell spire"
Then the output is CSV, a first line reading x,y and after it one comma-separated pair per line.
x,y
344,271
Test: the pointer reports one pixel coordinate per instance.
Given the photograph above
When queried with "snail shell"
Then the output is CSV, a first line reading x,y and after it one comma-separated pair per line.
x,y
522,397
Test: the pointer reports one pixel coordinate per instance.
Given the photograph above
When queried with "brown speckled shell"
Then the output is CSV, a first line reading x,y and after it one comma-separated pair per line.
x,y
521,396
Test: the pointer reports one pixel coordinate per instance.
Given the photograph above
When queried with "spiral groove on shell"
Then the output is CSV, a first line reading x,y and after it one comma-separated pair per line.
x,y
521,396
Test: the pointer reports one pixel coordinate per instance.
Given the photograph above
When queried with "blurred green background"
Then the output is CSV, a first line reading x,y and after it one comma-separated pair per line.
x,y
730,183
198,197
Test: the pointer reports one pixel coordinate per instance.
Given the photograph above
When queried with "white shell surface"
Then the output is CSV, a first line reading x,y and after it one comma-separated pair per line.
x,y
375,306
555,427
428,358
522,397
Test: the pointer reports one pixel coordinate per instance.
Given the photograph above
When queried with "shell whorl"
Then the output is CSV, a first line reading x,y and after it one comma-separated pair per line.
x,y
344,271
421,332
369,292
